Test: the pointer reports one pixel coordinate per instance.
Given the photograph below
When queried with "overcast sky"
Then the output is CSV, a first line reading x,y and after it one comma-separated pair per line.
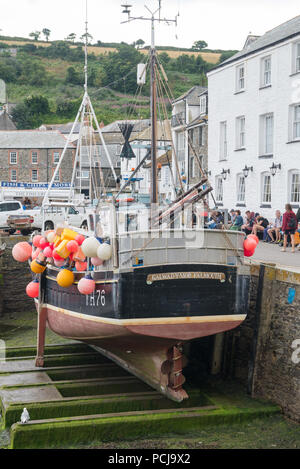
x,y
223,24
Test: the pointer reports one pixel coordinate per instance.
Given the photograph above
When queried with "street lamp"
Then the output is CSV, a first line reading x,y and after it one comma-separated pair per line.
x,y
246,170
224,173
274,168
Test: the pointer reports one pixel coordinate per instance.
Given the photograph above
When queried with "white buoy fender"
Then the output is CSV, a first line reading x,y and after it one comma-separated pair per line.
x,y
89,247
104,251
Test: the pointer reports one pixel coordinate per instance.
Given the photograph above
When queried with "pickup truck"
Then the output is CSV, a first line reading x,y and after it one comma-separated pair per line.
x,y
12,212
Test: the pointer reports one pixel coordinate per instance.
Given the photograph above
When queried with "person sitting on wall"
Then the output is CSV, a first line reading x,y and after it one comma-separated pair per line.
x,y
250,220
232,217
212,223
275,228
238,222
289,227
260,225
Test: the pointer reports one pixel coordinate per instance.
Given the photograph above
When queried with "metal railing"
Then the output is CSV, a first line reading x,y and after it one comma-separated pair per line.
x,y
179,246
178,119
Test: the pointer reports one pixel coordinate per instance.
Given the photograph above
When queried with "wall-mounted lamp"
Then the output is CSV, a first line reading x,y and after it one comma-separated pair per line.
x,y
246,170
274,168
224,173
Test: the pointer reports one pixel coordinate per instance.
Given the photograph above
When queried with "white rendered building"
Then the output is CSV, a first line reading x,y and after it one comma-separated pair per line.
x,y
254,123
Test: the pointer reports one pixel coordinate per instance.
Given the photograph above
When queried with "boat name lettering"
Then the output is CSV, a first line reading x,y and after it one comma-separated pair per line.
x,y
186,276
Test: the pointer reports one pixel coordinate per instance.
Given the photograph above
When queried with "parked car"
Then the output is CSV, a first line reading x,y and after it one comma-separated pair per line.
x,y
22,223
12,208
50,216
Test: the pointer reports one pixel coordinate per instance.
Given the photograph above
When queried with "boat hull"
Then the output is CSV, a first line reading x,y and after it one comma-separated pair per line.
x,y
141,319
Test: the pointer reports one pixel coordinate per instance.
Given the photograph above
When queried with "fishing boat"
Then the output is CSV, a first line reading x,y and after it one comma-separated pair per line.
x,y
167,279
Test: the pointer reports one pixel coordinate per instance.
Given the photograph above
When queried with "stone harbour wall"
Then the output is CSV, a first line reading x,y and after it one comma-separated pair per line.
x,y
14,277
264,352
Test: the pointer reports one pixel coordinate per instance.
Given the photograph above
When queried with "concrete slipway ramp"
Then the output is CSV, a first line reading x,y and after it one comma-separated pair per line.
x,y
81,397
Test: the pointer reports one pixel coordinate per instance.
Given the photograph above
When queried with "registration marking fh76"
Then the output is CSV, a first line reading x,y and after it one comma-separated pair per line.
x,y
96,299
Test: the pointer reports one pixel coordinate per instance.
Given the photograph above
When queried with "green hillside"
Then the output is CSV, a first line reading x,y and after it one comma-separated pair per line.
x,y
55,74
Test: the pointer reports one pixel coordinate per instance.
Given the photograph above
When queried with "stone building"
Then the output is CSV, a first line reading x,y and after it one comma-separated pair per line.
x,y
31,156
198,142
254,123
189,117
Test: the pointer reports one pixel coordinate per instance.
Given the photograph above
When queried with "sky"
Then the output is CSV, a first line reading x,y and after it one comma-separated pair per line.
x,y
223,24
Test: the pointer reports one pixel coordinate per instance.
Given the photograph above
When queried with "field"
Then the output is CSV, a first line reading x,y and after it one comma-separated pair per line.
x,y
210,57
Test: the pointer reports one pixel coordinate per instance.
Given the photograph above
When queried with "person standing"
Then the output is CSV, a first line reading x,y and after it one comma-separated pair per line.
x,y
276,228
289,226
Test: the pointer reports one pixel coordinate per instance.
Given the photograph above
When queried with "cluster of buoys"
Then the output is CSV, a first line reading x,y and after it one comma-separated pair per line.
x,y
250,244
67,250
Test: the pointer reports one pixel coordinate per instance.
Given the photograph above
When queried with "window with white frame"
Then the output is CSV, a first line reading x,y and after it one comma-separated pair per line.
x,y
118,150
223,140
13,157
296,57
241,188
295,187
240,78
266,196
202,104
266,134
34,175
201,135
34,157
180,141
219,189
266,73
296,122
240,132
13,175
56,156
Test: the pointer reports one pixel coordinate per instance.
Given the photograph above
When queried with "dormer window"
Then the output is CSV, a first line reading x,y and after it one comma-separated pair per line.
x,y
203,105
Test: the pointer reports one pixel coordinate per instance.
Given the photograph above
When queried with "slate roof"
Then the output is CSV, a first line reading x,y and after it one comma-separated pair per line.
x,y
191,96
276,35
24,139
199,120
163,133
5,122
138,125
63,128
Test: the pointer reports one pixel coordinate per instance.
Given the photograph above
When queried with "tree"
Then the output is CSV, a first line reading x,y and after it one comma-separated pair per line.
x,y
71,37
35,35
73,77
87,36
30,113
46,33
199,45
164,58
139,43
122,64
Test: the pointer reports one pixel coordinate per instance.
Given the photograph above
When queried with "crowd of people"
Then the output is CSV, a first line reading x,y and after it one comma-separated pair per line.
x,y
283,230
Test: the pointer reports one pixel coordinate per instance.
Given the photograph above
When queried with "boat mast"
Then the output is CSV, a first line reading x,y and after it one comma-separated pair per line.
x,y
153,93
154,192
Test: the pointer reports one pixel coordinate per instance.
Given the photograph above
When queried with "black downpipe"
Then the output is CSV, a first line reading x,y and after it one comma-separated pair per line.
x,y
256,327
